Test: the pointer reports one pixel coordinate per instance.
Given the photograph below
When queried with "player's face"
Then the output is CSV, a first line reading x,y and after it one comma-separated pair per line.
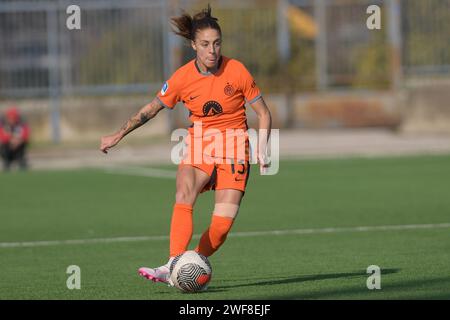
x,y
207,44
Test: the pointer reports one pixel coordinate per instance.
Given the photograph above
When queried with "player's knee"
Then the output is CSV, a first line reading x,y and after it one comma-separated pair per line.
x,y
185,195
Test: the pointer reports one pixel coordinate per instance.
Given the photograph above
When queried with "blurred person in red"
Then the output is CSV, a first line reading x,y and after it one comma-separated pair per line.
x,y
14,136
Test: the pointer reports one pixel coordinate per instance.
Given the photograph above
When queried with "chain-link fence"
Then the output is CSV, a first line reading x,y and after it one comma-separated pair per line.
x,y
289,46
426,37
121,47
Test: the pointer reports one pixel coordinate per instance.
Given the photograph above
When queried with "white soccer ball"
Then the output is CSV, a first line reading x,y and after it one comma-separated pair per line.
x,y
190,272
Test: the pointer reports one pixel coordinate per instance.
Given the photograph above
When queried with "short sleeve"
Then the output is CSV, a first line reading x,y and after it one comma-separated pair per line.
x,y
248,85
170,92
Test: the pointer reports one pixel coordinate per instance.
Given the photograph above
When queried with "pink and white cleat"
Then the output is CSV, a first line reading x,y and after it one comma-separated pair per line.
x,y
160,274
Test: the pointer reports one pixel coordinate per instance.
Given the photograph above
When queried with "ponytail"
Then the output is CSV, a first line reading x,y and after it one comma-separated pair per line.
x,y
187,26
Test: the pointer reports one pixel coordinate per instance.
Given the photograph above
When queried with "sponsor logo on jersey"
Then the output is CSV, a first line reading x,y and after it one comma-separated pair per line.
x,y
164,89
211,108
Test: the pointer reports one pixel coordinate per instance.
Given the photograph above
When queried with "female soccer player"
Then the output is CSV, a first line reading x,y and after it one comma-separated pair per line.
x,y
214,89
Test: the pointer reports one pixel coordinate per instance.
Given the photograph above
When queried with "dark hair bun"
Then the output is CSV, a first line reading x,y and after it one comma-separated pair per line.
x,y
187,26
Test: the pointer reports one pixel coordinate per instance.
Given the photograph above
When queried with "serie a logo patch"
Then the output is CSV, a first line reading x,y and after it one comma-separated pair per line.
x,y
164,88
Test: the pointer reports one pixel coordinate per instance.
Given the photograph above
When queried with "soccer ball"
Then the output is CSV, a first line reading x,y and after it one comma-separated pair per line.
x,y
190,272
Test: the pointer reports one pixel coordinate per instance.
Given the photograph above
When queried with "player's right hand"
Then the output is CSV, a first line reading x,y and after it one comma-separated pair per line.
x,y
108,142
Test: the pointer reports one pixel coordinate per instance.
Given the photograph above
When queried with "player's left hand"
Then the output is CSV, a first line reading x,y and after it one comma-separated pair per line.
x,y
264,163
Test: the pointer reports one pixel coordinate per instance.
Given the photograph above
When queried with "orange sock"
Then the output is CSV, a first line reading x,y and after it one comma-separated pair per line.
x,y
180,228
215,235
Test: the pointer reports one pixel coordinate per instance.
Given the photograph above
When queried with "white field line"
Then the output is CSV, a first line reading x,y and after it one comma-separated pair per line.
x,y
233,234
142,172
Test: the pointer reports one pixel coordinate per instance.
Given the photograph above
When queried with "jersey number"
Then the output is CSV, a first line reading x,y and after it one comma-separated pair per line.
x,y
242,171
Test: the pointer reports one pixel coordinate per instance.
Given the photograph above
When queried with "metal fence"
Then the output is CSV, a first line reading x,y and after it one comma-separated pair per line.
x,y
290,46
120,48
426,37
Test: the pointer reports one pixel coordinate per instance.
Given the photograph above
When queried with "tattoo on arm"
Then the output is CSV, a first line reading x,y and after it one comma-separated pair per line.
x,y
135,122
145,116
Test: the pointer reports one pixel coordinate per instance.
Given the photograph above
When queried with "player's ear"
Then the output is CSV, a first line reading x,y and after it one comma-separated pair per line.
x,y
193,45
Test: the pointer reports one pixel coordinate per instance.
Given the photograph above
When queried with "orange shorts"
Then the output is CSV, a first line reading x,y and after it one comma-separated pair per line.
x,y
224,175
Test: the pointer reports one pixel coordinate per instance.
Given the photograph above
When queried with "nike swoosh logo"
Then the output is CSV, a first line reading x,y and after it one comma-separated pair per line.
x,y
192,98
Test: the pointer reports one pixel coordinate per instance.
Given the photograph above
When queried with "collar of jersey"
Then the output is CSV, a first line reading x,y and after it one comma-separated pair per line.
x,y
208,73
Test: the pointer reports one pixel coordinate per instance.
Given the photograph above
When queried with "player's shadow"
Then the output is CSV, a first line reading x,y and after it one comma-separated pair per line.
x,y
275,280
430,289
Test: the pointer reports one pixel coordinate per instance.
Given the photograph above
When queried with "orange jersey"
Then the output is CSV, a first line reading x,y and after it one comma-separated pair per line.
x,y
216,100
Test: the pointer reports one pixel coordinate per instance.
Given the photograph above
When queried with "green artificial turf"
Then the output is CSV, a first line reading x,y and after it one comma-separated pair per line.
x,y
308,194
